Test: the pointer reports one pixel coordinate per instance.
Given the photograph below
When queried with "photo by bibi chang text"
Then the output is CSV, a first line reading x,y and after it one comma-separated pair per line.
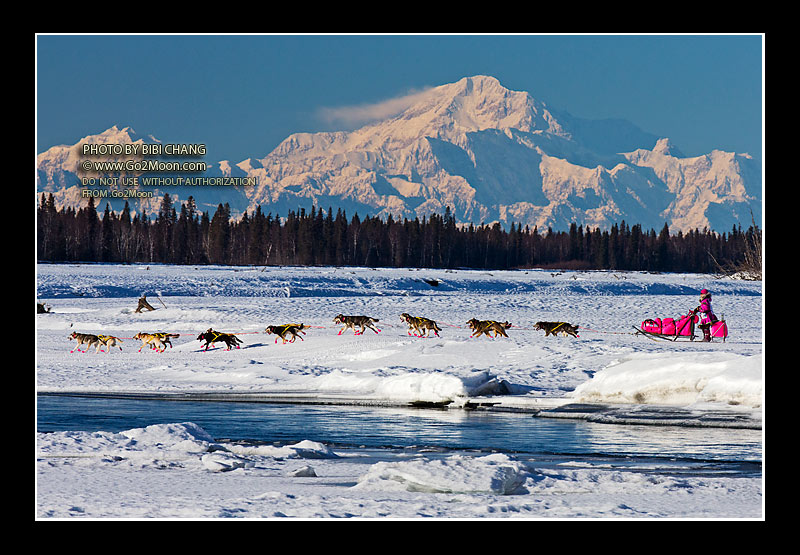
x,y
140,161
142,149
138,170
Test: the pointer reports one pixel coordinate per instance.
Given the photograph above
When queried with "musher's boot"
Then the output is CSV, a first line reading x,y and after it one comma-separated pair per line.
x,y
706,335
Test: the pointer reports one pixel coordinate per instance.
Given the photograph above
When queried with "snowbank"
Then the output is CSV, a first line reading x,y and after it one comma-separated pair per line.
x,y
163,445
496,473
670,379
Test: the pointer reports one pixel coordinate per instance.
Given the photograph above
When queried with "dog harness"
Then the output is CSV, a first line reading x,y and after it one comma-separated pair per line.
x,y
490,322
281,331
216,335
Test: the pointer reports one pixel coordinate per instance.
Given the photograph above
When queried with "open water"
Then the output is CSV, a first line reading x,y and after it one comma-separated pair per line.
x,y
674,448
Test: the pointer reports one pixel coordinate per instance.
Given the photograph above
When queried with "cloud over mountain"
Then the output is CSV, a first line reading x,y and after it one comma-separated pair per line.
x,y
351,116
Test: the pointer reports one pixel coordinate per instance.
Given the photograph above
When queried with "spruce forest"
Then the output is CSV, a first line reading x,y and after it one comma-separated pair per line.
x,y
184,235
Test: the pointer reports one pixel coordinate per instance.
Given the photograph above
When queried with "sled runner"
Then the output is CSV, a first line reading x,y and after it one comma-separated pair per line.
x,y
671,329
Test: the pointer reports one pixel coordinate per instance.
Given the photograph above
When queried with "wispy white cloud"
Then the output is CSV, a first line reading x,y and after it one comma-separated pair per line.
x,y
353,116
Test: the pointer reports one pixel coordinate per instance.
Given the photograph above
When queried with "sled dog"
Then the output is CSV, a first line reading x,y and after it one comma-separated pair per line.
x,y
285,331
87,339
480,327
418,324
211,337
555,328
156,341
110,341
353,321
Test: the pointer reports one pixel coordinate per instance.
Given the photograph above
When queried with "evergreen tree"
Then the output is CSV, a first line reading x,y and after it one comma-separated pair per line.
x,y
662,250
219,235
108,224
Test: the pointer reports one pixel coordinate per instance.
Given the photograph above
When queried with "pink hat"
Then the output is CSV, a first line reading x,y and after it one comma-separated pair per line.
x,y
704,291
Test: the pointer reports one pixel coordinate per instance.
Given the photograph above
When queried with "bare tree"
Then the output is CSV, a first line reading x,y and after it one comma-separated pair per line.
x,y
752,263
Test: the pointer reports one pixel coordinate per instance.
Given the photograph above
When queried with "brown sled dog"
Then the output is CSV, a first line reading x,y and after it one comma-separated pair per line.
x,y
156,341
353,321
556,328
88,339
285,331
110,341
481,327
211,337
418,324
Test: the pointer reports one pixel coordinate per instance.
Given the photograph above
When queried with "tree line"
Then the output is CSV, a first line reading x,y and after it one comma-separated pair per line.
x,y
184,235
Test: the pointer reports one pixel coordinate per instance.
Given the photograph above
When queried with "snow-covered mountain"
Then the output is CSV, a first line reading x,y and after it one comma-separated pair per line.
x,y
487,152
59,171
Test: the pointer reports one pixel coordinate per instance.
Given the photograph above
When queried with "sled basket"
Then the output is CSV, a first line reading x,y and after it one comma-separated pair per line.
x,y
719,329
681,329
669,328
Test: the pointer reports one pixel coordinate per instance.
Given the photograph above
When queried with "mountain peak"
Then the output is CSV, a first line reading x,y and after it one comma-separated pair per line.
x,y
481,102
471,104
480,83
114,133
665,147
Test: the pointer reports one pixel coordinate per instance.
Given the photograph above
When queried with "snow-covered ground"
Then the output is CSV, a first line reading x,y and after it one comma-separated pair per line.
x,y
178,471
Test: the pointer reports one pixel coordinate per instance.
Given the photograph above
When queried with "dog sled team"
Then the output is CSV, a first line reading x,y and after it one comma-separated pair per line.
x,y
418,326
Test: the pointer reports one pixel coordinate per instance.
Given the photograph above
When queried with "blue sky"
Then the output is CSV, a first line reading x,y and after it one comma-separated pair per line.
x,y
242,95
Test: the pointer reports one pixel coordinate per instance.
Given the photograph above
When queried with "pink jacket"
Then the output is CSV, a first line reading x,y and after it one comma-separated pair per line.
x,y
706,313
